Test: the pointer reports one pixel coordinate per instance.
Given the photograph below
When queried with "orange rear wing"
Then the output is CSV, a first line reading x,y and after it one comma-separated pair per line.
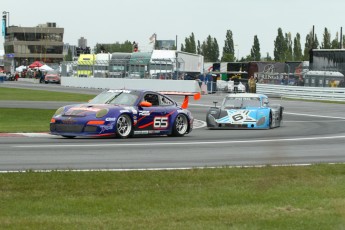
x,y
186,95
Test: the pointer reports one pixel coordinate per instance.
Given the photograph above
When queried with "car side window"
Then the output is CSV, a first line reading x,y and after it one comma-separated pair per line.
x,y
164,101
152,98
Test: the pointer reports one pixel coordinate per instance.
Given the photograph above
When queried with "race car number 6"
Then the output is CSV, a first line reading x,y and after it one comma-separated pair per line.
x,y
237,117
160,122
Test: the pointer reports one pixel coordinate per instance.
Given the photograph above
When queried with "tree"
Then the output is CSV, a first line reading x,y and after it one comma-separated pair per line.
x,y
280,47
127,47
255,51
297,48
68,56
288,51
210,49
310,43
190,45
198,49
335,42
326,44
228,49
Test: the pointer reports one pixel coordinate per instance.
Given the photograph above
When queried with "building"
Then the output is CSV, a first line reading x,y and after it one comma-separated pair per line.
x,y
24,45
82,43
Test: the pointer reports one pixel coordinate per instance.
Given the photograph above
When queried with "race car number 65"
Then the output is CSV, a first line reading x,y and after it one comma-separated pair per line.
x,y
160,122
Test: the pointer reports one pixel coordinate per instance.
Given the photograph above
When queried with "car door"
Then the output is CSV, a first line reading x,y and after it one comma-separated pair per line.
x,y
152,119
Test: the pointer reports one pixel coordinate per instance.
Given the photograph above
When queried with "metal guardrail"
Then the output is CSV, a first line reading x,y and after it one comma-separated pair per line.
x,y
302,92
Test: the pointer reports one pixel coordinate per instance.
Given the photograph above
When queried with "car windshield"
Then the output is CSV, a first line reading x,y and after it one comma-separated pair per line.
x,y
241,102
115,97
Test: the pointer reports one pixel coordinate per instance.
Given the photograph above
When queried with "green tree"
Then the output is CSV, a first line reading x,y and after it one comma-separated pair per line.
x,y
335,42
326,43
310,43
190,45
297,48
210,49
127,47
228,49
280,47
68,56
198,49
255,54
288,52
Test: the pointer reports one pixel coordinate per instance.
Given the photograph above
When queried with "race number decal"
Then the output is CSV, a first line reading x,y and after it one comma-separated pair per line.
x,y
237,117
160,122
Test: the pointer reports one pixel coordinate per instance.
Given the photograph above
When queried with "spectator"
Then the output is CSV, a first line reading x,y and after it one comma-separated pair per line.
x,y
252,85
300,81
285,80
16,76
332,83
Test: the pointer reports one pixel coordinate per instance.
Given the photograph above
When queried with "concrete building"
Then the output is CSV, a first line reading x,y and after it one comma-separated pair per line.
x,y
82,42
24,45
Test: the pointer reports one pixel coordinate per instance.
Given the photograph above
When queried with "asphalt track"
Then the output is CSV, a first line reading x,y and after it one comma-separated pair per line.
x,y
311,133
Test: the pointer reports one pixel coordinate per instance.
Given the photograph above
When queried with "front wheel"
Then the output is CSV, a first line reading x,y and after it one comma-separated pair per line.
x,y
124,126
180,126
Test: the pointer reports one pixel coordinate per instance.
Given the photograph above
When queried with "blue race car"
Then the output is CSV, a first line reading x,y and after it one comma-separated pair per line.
x,y
124,113
245,111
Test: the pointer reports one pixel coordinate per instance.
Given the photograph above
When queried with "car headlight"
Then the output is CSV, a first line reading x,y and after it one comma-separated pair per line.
x,y
59,111
102,113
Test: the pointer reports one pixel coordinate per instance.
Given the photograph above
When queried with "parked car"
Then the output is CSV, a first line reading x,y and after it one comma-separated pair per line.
x,y
52,76
124,113
245,111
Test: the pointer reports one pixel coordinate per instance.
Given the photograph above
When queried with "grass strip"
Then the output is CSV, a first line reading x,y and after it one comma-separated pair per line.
x,y
311,197
25,120
41,95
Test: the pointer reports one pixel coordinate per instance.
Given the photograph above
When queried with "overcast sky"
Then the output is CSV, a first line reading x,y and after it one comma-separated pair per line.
x,y
110,21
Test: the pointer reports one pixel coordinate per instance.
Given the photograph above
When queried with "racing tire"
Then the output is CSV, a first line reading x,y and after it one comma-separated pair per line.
x,y
180,126
124,126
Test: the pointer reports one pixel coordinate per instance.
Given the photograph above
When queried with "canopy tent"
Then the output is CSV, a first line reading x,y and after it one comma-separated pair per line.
x,y
36,64
20,68
45,68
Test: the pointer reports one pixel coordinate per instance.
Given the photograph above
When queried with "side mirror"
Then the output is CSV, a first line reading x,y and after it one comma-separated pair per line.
x,y
145,104
215,103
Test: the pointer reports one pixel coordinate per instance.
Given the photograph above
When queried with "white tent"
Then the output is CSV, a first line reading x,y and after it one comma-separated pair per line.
x,y
20,68
45,68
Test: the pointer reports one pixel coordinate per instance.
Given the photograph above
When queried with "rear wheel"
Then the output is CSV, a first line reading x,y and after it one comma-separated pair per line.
x,y
180,126
124,127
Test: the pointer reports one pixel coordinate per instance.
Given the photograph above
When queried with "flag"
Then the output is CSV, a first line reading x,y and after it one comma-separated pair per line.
x,y
152,38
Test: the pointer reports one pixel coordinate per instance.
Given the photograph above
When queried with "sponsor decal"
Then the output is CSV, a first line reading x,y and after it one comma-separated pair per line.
x,y
86,109
141,132
144,113
124,111
110,119
119,91
107,127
